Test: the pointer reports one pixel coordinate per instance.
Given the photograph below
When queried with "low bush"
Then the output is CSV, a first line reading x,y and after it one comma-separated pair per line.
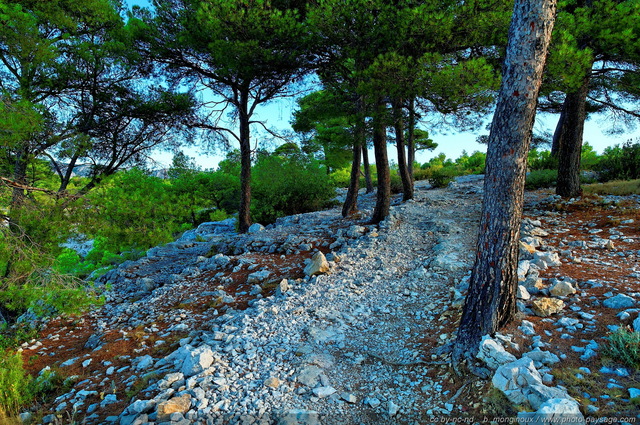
x,y
540,179
287,186
441,177
396,183
422,174
30,282
14,384
620,162
624,346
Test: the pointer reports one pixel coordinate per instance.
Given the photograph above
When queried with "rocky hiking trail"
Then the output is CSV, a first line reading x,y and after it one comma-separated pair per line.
x,y
219,328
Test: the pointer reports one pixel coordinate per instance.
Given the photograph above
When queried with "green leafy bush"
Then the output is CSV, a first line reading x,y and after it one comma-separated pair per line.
x,y
473,164
200,193
539,179
133,210
542,160
285,186
441,177
396,183
340,177
422,174
29,282
14,384
620,162
624,345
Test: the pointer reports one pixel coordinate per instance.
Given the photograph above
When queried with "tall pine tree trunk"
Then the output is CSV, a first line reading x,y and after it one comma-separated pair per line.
x,y
350,205
570,145
383,194
368,181
244,215
558,133
491,299
20,164
398,125
411,147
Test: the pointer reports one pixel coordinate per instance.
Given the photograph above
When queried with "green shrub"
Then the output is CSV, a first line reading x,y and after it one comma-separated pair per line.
x,y
30,282
620,162
542,160
624,346
286,186
538,179
198,194
396,183
133,210
441,177
422,174
14,384
340,177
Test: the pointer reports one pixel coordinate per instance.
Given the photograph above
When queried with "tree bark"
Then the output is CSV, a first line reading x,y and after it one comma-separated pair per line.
x,y
398,125
351,202
558,133
19,176
244,214
570,146
383,195
367,169
411,147
491,301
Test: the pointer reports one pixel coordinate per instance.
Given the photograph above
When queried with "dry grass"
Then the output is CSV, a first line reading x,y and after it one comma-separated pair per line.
x,y
618,187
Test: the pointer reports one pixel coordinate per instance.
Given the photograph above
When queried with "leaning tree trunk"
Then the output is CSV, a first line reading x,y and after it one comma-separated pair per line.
x,y
368,181
559,132
398,125
574,112
411,147
350,205
491,299
19,176
383,195
244,215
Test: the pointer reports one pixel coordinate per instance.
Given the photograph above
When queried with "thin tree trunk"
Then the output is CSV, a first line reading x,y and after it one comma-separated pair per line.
x,y
574,111
383,195
411,147
351,202
559,131
19,176
244,215
398,125
491,301
367,169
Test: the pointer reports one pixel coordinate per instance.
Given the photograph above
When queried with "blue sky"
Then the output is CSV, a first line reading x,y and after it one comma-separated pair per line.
x,y
278,115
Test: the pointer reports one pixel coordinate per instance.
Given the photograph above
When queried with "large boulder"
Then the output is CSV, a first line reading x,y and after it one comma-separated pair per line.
x,y
493,353
180,404
562,289
197,360
619,301
521,382
318,265
555,411
545,307
513,378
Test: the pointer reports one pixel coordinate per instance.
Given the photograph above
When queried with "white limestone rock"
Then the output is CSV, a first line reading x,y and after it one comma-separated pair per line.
x,y
493,353
197,360
562,289
555,411
318,265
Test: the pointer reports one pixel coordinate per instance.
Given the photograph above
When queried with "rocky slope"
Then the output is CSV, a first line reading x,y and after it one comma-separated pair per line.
x,y
223,328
